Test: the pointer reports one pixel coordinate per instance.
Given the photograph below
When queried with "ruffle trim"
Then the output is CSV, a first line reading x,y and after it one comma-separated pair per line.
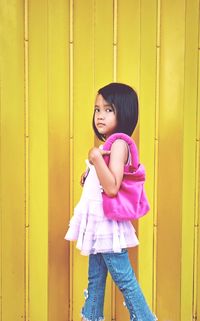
x,y
94,233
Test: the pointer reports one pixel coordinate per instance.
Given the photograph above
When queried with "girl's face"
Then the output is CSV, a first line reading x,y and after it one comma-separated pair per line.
x,y
105,117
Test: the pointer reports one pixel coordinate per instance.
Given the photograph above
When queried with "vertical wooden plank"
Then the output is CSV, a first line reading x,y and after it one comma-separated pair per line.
x,y
189,146
198,250
147,135
196,299
1,210
12,160
58,111
196,309
71,150
128,39
38,124
27,159
12,121
1,239
199,33
128,72
83,88
104,55
198,270
103,43
115,35
128,47
170,159
155,196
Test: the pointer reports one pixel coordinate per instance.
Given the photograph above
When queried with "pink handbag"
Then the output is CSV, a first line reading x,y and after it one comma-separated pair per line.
x,y
131,202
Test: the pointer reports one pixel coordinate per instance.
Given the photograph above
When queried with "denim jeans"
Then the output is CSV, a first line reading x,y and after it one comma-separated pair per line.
x,y
122,273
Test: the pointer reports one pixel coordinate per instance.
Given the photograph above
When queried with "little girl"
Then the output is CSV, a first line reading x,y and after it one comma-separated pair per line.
x,y
106,241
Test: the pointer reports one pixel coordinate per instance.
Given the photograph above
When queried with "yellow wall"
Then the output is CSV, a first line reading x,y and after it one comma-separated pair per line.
x,y
54,56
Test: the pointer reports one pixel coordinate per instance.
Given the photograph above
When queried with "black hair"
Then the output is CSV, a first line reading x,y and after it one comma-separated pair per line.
x,y
125,101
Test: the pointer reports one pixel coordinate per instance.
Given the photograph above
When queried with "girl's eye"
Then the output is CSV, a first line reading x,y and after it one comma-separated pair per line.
x,y
107,110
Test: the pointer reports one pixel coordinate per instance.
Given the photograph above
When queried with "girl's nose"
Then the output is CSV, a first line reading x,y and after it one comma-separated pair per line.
x,y
101,116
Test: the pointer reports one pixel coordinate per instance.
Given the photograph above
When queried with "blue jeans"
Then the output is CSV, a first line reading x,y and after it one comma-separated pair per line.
x,y
122,273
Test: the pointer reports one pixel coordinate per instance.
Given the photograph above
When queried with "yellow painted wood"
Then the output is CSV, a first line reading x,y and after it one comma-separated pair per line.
x,y
156,153
83,88
196,299
26,182
103,43
115,34
198,260
158,39
128,39
58,140
12,161
199,42
54,56
189,147
128,48
27,160
71,150
38,176
1,243
147,132
170,160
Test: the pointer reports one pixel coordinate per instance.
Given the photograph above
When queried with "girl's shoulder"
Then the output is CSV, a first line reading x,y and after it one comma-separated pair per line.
x,y
119,146
119,150
119,139
119,143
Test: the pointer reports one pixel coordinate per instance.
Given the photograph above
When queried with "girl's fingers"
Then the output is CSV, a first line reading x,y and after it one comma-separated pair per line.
x,y
105,152
82,179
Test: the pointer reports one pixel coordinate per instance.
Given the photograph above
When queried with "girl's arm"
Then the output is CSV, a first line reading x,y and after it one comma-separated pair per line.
x,y
110,177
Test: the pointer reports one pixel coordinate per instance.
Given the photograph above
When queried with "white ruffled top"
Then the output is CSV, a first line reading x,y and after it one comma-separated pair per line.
x,y
92,230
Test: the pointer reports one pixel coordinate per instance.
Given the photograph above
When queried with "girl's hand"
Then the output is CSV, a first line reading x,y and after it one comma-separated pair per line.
x,y
96,153
84,176
110,176
82,181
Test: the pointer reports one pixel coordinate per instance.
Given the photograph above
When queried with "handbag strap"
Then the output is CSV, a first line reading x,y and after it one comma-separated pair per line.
x,y
132,146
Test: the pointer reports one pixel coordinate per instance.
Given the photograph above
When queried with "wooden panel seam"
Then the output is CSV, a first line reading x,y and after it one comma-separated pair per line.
x,y
115,21
71,142
158,23
1,238
27,169
155,209
199,28
196,221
